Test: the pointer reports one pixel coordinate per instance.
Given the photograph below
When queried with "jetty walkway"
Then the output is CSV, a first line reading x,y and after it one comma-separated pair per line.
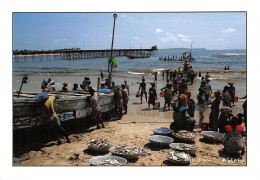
x,y
71,54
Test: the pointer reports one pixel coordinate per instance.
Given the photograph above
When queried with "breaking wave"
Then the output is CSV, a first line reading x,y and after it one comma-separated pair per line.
x,y
223,55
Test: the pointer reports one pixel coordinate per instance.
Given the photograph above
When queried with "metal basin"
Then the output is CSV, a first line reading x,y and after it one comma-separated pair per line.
x,y
212,135
93,161
160,140
176,161
162,131
175,146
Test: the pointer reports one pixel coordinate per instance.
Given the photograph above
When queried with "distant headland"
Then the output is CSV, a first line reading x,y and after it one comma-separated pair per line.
x,y
183,49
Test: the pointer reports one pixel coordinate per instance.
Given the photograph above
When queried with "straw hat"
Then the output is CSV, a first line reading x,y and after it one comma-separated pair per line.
x,y
231,83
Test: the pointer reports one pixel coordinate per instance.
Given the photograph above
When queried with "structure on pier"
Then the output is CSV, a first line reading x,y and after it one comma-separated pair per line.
x,y
77,53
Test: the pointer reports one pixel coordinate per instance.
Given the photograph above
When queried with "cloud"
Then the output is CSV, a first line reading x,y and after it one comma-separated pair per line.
x,y
85,35
229,30
136,38
182,36
158,30
168,37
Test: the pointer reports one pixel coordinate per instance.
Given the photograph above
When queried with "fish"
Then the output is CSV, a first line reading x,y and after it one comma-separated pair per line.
x,y
130,150
109,162
99,143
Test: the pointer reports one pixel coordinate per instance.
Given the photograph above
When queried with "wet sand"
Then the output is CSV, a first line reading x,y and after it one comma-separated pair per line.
x,y
132,130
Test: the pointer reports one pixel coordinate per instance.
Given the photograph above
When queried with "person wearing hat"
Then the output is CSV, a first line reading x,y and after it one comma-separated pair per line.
x,y
65,87
143,90
152,96
125,97
233,141
201,103
96,112
232,92
226,97
50,119
118,100
213,116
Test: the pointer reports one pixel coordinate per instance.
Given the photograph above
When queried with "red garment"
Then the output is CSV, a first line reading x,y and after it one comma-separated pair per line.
x,y
238,128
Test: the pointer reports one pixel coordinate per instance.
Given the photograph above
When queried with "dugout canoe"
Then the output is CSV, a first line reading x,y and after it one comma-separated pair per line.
x,y
25,105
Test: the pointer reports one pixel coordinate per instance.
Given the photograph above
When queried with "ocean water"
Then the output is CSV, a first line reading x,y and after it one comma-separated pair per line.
x,y
204,60
74,71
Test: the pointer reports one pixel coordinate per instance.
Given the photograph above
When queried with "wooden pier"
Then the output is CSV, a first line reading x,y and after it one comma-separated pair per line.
x,y
70,54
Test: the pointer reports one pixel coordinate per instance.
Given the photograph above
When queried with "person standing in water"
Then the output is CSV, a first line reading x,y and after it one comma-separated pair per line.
x,y
155,76
152,96
142,87
232,92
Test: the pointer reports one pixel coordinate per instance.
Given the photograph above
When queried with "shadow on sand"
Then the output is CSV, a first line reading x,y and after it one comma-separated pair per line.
x,y
35,138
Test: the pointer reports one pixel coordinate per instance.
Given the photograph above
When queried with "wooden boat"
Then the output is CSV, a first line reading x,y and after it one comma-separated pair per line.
x,y
75,104
138,56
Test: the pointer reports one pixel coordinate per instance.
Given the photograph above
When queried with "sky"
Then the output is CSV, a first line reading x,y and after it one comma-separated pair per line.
x,y
49,31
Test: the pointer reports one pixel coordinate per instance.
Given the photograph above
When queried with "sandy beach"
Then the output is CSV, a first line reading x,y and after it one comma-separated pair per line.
x,y
132,130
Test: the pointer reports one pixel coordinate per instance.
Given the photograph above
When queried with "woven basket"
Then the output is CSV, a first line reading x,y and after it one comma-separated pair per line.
x,y
124,155
99,149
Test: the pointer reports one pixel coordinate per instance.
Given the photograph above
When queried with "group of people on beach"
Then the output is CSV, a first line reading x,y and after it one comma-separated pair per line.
x,y
50,118
176,85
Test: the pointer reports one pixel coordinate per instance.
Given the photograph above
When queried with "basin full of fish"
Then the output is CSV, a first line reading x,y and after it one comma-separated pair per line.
x,y
187,148
212,135
100,145
185,135
178,157
109,162
129,152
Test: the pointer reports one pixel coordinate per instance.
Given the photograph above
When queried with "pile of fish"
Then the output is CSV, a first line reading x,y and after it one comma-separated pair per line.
x,y
109,162
186,147
129,150
209,135
99,144
178,156
188,135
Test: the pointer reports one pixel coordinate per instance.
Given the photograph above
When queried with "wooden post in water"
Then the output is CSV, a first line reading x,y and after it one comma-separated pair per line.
x,y
25,79
98,83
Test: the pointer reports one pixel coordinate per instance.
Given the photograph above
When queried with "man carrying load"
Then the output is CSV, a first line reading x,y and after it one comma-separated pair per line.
x,y
49,117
